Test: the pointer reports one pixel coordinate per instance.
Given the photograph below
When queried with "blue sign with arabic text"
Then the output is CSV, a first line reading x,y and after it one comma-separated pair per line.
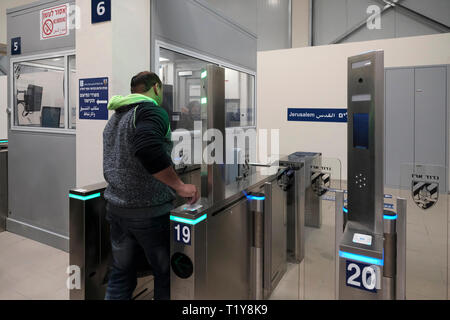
x,y
317,115
93,97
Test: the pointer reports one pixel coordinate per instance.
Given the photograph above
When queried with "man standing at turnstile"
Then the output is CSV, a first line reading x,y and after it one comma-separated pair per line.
x,y
141,188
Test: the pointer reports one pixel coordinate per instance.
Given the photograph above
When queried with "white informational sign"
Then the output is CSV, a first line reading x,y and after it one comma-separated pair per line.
x,y
194,90
362,239
54,22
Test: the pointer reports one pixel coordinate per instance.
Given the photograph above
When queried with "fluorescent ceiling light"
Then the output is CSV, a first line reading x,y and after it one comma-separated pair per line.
x,y
161,59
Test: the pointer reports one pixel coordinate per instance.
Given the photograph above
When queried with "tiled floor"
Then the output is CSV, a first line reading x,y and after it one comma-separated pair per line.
x,y
30,270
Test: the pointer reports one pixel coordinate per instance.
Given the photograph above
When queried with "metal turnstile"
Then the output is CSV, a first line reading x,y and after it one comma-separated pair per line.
x,y
90,247
90,244
371,266
233,249
304,206
313,204
3,186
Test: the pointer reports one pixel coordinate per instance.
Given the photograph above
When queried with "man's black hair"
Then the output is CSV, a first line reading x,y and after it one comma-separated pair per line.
x,y
144,81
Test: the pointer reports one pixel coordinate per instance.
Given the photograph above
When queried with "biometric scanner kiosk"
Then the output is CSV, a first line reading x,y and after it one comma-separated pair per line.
x,y
371,244
232,243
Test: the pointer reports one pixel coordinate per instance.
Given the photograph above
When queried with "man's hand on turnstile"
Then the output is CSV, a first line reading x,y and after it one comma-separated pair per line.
x,y
188,191
169,177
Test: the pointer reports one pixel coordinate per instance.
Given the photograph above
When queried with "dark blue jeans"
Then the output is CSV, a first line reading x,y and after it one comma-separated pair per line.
x,y
127,235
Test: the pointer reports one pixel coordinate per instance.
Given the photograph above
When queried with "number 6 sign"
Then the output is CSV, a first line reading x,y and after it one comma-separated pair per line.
x,y
100,11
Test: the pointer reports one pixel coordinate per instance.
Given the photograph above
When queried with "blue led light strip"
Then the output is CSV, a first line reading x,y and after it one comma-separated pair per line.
x,y
188,221
84,198
361,258
252,197
386,217
3,141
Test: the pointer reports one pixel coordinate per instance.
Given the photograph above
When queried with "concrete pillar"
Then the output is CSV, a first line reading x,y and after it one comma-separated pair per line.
x,y
300,23
117,49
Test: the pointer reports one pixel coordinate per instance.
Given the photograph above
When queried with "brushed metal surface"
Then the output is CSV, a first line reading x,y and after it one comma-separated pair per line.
x,y
227,250
366,166
193,287
339,232
228,253
213,117
3,188
375,250
400,287
90,247
300,204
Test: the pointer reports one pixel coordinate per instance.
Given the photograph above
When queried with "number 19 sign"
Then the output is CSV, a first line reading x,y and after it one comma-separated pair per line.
x,y
182,233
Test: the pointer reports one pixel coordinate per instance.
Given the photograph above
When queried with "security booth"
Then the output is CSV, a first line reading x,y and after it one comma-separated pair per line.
x,y
42,107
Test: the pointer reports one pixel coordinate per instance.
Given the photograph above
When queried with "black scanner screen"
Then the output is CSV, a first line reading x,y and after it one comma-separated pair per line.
x,y
361,130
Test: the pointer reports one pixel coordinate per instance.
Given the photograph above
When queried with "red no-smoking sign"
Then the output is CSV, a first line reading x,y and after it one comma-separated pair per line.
x,y
54,22
47,27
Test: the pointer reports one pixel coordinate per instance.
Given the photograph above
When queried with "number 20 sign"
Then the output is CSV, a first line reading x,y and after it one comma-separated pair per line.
x,y
363,276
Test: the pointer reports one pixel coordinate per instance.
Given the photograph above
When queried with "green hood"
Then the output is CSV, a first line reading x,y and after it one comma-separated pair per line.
x,y
119,101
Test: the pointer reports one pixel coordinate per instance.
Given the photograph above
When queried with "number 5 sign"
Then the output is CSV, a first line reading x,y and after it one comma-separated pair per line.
x,y
100,11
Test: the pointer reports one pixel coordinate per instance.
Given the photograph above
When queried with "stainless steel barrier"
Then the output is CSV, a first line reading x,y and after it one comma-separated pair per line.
x,y
387,280
275,227
339,232
257,250
3,186
296,216
231,249
304,206
400,286
90,245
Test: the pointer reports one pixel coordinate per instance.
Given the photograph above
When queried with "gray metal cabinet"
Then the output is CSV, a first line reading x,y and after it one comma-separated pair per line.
x,y
399,123
430,116
416,119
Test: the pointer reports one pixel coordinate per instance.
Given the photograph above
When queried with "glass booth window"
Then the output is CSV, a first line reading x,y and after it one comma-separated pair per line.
x,y
72,92
181,77
239,99
39,91
40,97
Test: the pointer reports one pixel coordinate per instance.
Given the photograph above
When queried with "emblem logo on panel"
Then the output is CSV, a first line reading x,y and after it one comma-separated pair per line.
x,y
320,182
425,194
